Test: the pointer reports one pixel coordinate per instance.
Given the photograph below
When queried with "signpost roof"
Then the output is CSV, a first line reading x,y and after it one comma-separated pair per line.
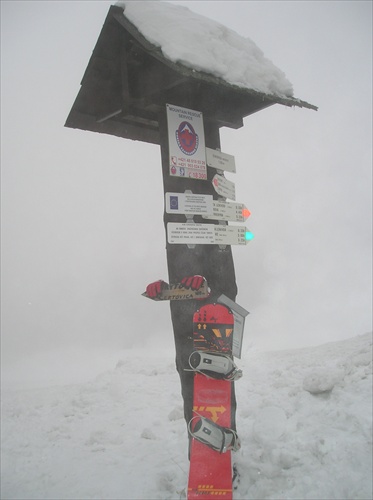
x,y
128,80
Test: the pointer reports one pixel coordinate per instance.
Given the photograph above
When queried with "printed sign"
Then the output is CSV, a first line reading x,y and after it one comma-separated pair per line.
x,y
189,203
205,205
220,161
224,187
206,234
223,210
186,140
190,233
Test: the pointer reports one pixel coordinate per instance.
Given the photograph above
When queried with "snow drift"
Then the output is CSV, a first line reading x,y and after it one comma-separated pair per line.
x,y
304,418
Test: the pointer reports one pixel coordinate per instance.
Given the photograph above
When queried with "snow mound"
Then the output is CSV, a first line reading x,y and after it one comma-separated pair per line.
x,y
205,45
270,424
123,436
321,381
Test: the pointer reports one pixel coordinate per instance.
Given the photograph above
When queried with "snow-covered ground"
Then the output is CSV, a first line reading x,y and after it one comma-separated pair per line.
x,y
304,418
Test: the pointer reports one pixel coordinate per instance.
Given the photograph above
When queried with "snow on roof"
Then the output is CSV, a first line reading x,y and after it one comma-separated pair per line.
x,y
205,45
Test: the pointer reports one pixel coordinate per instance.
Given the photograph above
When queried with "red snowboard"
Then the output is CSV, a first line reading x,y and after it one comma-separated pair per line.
x,y
210,473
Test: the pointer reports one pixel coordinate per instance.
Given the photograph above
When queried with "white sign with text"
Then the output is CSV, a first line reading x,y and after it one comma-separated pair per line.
x,y
189,203
191,233
220,161
224,187
227,211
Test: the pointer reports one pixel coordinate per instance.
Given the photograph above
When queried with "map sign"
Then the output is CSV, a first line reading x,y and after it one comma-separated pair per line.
x,y
206,234
220,161
224,187
189,203
186,139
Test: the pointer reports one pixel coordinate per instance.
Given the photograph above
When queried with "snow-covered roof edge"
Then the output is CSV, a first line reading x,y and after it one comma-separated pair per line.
x,y
145,32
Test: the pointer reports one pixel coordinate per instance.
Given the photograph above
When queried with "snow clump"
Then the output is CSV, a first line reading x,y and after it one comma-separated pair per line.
x,y
204,45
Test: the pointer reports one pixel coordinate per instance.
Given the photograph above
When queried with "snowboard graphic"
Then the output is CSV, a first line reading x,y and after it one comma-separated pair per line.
x,y
210,473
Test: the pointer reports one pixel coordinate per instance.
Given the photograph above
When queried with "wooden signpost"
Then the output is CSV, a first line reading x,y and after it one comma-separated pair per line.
x,y
130,89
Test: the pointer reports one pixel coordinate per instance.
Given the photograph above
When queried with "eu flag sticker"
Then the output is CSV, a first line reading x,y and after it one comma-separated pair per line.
x,y
174,202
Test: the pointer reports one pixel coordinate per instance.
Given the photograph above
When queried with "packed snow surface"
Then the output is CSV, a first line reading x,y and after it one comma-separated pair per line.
x,y
205,45
304,418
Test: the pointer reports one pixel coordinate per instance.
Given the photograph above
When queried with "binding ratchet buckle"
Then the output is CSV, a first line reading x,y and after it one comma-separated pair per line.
x,y
221,439
214,365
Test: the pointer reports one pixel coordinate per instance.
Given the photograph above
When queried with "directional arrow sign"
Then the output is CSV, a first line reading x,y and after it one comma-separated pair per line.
x,y
222,210
224,187
203,204
189,203
207,234
219,160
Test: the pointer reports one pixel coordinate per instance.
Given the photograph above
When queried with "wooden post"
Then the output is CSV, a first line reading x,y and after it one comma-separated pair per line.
x,y
210,261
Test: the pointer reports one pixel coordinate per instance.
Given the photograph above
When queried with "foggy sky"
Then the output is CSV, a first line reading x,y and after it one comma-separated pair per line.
x,y
82,213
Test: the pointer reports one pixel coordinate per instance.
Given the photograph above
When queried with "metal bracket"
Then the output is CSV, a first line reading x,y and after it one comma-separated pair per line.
x,y
189,218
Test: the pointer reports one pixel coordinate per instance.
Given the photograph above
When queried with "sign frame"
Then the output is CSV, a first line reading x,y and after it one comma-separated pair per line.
x,y
239,314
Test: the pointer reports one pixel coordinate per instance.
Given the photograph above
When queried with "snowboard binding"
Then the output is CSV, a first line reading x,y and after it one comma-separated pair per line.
x,y
214,365
221,439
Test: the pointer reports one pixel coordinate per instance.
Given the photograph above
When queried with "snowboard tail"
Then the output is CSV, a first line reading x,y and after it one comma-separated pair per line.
x,y
210,472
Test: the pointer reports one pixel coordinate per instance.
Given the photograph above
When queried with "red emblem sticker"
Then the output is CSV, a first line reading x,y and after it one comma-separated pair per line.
x,y
186,138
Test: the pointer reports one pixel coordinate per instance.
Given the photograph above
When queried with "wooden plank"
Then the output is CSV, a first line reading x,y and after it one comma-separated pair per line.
x,y
119,128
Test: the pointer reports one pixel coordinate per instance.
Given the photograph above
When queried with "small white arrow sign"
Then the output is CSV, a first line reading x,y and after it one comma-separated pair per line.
x,y
207,234
224,187
220,161
223,210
